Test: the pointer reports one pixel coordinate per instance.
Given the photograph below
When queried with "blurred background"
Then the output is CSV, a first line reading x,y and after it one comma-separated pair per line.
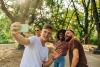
x,y
83,16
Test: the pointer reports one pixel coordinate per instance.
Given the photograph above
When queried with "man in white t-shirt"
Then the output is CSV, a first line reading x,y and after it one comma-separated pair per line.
x,y
35,53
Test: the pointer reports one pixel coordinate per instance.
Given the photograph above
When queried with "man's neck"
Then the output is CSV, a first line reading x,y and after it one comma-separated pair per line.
x,y
38,35
42,42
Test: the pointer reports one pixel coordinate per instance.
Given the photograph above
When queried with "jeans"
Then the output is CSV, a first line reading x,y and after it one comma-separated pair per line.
x,y
59,62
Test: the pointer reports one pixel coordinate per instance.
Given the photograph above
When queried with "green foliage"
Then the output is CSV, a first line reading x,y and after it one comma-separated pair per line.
x,y
50,2
4,30
94,40
59,16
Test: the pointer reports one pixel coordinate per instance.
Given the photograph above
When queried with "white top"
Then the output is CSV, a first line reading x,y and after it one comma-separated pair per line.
x,y
34,53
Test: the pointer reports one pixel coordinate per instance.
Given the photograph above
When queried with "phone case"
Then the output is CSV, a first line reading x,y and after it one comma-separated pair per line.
x,y
24,28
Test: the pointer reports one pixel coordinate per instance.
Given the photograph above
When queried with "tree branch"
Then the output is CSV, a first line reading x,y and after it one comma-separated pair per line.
x,y
77,15
4,9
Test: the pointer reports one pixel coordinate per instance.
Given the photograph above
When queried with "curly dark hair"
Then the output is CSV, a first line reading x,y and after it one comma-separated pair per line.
x,y
63,33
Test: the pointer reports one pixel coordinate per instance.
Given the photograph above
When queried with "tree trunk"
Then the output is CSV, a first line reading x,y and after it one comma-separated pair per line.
x,y
86,25
98,30
86,20
97,22
4,9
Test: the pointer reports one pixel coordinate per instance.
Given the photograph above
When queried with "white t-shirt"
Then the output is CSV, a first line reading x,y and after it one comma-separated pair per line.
x,y
34,53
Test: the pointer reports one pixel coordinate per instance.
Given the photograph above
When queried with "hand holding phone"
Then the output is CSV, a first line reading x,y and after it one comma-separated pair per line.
x,y
15,27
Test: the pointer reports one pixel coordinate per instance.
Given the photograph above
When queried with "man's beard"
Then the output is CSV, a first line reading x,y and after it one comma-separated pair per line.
x,y
68,38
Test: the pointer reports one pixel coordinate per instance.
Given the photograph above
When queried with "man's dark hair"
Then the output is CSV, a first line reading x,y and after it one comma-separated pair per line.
x,y
47,26
61,31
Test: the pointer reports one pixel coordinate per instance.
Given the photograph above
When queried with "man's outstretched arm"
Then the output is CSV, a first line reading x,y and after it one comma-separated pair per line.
x,y
16,34
21,39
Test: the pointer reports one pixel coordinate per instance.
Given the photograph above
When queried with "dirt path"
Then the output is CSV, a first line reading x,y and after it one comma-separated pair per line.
x,y
10,56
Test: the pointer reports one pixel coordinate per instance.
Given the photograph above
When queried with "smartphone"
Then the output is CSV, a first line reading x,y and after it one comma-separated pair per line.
x,y
24,28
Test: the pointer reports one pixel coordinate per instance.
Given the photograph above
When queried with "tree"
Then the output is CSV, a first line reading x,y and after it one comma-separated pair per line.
x,y
21,12
86,21
97,21
54,12
84,24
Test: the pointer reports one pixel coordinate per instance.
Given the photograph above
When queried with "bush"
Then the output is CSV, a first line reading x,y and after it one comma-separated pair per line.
x,y
94,40
5,36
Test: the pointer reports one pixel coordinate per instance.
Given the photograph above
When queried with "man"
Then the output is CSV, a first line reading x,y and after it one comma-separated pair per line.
x,y
35,53
77,56
38,31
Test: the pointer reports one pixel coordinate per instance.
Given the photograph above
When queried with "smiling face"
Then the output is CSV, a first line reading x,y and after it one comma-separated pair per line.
x,y
46,34
37,31
61,35
69,35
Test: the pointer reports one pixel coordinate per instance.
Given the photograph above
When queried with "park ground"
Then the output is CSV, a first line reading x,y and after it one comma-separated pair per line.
x,y
11,57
